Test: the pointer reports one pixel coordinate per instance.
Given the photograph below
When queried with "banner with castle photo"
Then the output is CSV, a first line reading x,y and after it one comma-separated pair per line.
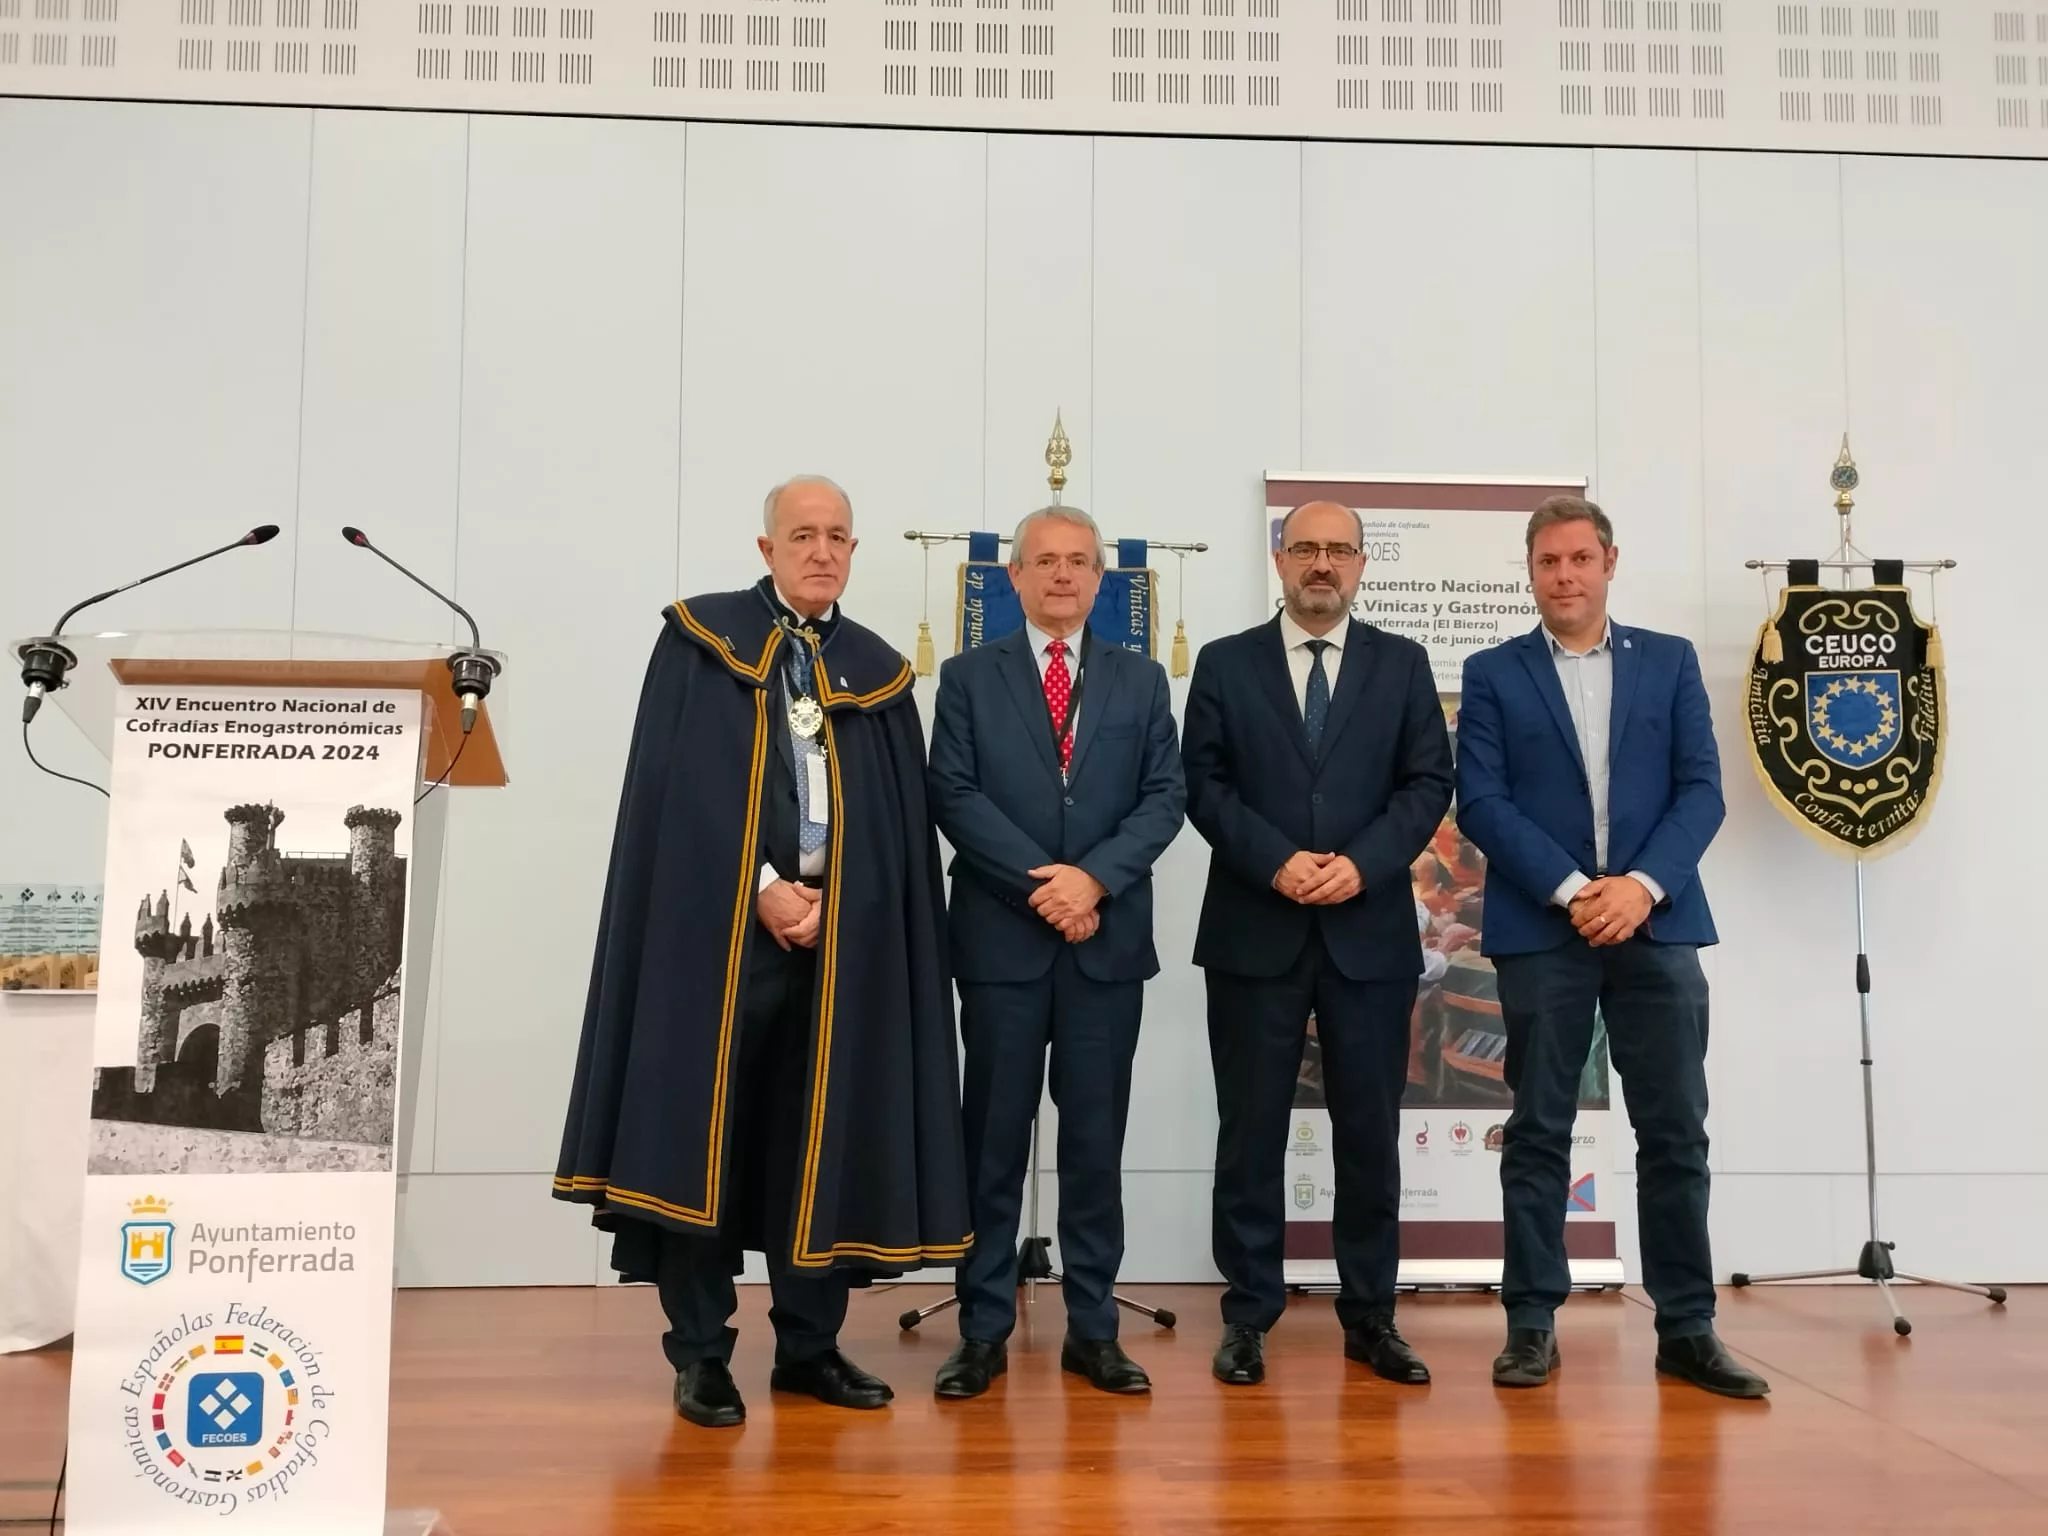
x,y
1444,566
232,1356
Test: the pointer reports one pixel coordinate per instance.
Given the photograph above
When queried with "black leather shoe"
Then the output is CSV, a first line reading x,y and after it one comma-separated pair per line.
x,y
970,1368
831,1378
1241,1358
1105,1364
705,1395
1378,1343
1527,1359
1701,1359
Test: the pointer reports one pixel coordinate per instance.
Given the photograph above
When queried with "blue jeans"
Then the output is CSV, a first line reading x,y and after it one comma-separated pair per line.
x,y
1653,998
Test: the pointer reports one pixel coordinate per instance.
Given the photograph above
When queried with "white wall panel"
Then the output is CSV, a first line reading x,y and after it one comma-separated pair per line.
x,y
1947,335
834,291
151,300
383,371
1781,1062
1197,304
1646,380
1447,310
493,1229
1041,318
567,551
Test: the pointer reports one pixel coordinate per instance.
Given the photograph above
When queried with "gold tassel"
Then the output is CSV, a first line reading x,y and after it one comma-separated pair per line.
x,y
927,663
1773,649
1934,646
1179,664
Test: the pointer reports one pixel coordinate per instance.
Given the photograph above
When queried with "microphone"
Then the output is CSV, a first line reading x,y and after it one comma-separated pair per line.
x,y
45,660
473,669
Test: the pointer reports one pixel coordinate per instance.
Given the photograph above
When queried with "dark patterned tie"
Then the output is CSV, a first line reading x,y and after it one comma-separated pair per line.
x,y
1315,705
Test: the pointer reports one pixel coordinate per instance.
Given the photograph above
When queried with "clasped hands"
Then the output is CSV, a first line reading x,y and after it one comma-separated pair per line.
x,y
1318,879
1068,899
1610,909
790,913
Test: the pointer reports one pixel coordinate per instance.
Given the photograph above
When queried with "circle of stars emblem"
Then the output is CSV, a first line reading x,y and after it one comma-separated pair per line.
x,y
1847,688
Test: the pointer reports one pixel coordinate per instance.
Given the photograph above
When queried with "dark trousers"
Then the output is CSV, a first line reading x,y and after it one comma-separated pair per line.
x,y
768,1115
1092,1027
1258,1026
1653,998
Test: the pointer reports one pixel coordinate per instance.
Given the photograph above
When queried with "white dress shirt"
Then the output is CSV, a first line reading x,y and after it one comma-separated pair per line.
x,y
1301,660
1587,678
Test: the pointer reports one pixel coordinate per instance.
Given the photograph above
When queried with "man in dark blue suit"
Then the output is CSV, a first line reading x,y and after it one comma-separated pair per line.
x,y
1318,766
1587,775
1055,776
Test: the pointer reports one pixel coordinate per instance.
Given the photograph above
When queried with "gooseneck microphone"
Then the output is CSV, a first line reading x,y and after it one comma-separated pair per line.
x,y
473,669
46,660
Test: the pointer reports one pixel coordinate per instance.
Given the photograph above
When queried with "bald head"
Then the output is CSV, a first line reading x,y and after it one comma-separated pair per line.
x,y
809,542
1323,508
1320,560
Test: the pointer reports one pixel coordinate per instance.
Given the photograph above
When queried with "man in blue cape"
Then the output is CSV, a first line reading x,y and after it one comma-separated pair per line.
x,y
768,1058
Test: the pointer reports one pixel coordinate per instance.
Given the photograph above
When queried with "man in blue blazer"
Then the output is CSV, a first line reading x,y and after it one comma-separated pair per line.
x,y
1587,775
1055,776
1318,766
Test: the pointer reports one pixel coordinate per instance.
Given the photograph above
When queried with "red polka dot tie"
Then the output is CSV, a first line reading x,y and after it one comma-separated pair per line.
x,y
1059,688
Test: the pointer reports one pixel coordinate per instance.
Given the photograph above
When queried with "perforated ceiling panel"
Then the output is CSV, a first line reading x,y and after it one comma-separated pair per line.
x,y
1956,77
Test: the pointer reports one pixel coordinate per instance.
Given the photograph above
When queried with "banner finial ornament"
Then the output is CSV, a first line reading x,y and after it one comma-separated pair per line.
x,y
1059,453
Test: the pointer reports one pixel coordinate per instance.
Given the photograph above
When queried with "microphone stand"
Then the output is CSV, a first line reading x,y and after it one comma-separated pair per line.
x,y
46,661
474,669
1034,1263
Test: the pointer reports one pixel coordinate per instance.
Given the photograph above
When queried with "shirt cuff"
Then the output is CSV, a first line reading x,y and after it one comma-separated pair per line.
x,y
1567,888
1656,891
768,878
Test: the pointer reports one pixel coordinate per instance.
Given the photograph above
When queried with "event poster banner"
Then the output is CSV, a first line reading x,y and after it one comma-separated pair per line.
x,y
1445,566
232,1358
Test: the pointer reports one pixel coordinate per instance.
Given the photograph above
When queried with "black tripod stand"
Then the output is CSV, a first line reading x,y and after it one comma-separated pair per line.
x,y
1875,1261
1034,1263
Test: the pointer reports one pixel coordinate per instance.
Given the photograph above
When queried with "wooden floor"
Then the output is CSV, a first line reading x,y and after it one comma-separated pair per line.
x,y
546,1413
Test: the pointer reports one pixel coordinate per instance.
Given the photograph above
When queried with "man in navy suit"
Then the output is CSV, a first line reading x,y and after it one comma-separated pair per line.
x,y
1587,775
1055,776
1318,766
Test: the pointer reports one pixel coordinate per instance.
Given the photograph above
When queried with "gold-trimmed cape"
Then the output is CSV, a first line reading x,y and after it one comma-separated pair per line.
x,y
650,1135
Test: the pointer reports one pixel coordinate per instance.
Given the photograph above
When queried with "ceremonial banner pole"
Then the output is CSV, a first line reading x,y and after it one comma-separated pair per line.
x,y
1846,732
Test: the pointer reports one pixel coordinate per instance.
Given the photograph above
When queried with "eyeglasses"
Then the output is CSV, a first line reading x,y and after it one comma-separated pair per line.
x,y
1339,554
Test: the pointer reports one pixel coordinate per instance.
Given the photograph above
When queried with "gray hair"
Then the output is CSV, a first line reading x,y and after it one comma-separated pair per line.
x,y
1357,517
1567,509
774,496
1073,515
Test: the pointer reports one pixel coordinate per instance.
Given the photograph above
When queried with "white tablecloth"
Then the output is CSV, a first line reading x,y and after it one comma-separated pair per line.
x,y
45,1110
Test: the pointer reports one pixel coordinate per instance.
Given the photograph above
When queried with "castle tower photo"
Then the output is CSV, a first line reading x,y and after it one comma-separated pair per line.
x,y
279,1015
